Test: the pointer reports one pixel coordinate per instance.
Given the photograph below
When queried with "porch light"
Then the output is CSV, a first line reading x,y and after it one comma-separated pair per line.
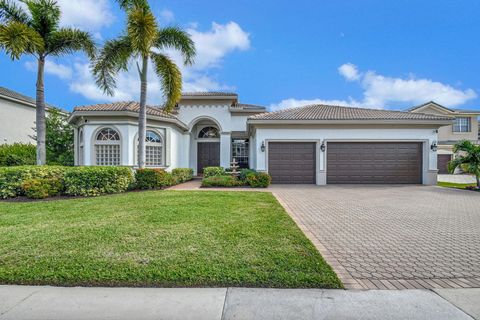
x,y
262,147
322,147
434,146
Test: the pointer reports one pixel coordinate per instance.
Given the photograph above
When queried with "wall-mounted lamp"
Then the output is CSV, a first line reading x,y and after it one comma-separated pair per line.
x,y
322,147
434,146
262,147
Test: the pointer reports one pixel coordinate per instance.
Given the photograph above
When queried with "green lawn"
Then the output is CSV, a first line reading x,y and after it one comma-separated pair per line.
x,y
158,238
456,185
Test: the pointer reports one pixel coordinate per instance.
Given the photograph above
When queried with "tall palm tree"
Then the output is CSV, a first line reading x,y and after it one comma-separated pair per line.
x,y
36,32
143,40
468,159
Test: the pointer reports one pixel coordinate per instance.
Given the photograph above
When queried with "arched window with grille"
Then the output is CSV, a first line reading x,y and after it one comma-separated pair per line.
x,y
107,147
209,133
153,149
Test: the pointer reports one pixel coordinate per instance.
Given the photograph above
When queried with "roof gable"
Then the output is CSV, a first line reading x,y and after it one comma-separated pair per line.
x,y
432,105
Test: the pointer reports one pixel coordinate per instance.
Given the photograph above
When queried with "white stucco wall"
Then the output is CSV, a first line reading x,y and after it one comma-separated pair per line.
x,y
426,136
16,122
175,142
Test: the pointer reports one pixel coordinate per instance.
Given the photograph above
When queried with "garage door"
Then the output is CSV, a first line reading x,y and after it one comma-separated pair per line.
x,y
374,163
442,163
292,162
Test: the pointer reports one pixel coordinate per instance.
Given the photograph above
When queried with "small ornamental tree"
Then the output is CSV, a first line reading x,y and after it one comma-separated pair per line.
x,y
467,158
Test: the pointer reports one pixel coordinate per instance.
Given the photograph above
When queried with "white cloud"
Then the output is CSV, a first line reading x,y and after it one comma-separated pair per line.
x,y
349,71
62,71
166,16
212,47
381,91
90,15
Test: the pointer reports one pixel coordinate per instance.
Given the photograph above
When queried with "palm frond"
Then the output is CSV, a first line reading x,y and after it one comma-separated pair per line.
x,y
113,57
142,29
69,40
45,15
178,39
17,39
12,12
467,157
130,4
170,77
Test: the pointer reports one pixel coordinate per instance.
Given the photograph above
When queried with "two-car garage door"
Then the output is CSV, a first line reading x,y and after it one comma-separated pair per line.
x,y
347,162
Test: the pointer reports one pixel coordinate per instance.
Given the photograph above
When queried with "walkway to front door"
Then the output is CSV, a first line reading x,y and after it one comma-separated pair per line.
x,y
208,155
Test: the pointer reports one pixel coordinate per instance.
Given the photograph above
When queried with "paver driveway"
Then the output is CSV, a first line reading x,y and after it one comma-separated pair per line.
x,y
391,237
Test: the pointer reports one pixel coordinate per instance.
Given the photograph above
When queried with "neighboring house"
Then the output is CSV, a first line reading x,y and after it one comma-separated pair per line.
x,y
17,117
316,144
464,127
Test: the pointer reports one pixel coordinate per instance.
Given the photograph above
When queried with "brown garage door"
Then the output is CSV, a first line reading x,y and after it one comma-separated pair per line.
x,y
292,162
442,163
374,163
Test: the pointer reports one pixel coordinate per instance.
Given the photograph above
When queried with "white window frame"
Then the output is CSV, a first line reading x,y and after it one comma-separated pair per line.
x,y
152,144
462,125
81,145
101,143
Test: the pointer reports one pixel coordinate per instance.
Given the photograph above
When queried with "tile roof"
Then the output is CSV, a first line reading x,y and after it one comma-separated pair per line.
x,y
208,94
18,96
246,106
327,112
131,106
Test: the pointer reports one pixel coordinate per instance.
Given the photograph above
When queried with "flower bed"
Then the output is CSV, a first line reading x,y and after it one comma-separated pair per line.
x,y
217,177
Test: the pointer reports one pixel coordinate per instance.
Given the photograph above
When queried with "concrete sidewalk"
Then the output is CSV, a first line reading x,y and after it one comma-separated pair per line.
x,y
24,302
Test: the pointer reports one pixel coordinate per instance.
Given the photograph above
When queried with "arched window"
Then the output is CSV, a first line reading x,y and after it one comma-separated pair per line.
x,y
107,148
209,133
80,147
153,149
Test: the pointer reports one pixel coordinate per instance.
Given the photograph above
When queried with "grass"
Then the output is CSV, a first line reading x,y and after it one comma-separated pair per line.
x,y
160,239
455,185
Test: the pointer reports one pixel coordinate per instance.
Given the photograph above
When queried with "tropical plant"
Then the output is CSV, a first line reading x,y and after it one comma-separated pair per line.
x,y
33,29
467,158
143,41
59,142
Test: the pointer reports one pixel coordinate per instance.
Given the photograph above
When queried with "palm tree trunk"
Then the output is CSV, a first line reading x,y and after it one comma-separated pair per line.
x,y
142,117
478,181
40,113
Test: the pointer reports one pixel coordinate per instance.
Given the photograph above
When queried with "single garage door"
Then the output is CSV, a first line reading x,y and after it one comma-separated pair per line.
x,y
442,163
292,162
374,163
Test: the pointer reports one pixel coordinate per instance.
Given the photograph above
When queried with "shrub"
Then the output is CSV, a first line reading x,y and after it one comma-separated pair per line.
x,y
182,174
153,179
94,181
244,173
221,181
17,154
42,188
258,180
213,171
13,178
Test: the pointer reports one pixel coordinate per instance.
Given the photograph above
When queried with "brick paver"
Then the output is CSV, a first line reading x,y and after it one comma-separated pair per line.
x,y
386,237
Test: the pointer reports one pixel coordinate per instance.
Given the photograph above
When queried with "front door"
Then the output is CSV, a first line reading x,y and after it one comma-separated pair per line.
x,y
208,155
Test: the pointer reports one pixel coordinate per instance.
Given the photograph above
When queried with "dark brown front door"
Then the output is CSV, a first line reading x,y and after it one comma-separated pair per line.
x,y
443,160
208,155
292,162
374,163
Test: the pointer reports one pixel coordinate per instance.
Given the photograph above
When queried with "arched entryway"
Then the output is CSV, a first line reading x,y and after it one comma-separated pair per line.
x,y
206,134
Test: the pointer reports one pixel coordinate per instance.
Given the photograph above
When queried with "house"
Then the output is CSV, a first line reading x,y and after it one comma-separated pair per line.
x,y
464,127
17,117
316,144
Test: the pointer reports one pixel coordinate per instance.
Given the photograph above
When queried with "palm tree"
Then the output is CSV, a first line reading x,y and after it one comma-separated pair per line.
x,y
144,40
468,159
36,32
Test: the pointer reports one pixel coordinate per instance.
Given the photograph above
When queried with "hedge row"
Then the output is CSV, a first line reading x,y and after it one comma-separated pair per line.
x,y
217,177
17,154
40,182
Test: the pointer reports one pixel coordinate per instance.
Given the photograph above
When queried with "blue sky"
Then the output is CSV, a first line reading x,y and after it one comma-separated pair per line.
x,y
373,53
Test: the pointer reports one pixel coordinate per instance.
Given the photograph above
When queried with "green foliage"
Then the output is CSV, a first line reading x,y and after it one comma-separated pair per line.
x,y
95,181
153,179
59,139
42,188
13,178
221,181
467,157
17,154
258,179
244,173
182,175
213,171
